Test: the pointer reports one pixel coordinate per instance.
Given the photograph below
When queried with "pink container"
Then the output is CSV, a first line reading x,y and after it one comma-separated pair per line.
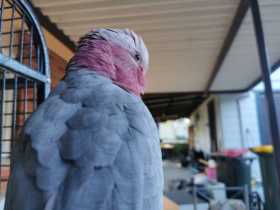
x,y
211,173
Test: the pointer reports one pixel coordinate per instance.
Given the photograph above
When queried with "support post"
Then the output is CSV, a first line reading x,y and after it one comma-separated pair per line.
x,y
266,73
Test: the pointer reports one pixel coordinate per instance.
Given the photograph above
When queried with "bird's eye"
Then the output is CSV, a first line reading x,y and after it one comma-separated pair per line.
x,y
137,57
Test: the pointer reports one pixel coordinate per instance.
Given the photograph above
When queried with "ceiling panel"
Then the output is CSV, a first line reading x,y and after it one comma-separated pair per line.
x,y
241,68
184,37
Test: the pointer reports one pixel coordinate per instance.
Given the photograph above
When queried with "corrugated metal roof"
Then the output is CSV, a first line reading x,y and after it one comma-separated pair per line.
x,y
185,37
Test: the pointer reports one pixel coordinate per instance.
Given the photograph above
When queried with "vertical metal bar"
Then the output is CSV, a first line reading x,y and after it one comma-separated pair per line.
x,y
38,54
246,197
15,85
194,197
3,87
21,52
3,95
21,60
30,64
31,46
14,115
34,95
45,90
11,43
1,22
2,109
25,93
25,98
266,71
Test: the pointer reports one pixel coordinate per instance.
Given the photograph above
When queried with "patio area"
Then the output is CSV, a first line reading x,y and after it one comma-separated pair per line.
x,y
206,58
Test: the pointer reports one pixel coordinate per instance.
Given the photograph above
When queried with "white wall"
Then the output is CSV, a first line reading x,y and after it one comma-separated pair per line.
x,y
239,120
199,120
249,120
237,124
231,136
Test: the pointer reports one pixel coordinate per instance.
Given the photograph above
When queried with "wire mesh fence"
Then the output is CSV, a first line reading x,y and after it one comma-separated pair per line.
x,y
18,100
24,74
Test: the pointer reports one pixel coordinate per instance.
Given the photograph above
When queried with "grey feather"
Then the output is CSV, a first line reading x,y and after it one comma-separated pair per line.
x,y
90,146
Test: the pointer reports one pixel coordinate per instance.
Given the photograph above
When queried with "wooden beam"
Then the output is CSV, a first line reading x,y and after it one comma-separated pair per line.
x,y
234,28
53,29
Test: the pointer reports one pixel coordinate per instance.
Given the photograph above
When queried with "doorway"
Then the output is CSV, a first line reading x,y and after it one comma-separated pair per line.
x,y
212,125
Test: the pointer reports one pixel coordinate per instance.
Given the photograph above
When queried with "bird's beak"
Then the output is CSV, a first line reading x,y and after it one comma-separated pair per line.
x,y
141,81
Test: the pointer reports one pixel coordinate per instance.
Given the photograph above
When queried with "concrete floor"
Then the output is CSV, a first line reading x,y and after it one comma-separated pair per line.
x,y
172,171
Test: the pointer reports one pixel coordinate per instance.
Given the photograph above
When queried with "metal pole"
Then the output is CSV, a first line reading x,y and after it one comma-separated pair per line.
x,y
194,197
246,197
266,71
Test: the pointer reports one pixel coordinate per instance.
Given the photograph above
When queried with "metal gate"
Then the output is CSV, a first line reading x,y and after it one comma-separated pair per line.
x,y
24,73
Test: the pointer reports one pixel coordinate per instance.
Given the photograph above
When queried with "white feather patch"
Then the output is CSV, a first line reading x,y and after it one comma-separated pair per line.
x,y
128,40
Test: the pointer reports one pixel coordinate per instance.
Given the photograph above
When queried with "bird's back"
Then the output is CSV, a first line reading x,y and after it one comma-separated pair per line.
x,y
90,146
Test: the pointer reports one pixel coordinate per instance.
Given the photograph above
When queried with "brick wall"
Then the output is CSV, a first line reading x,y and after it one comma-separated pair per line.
x,y
57,65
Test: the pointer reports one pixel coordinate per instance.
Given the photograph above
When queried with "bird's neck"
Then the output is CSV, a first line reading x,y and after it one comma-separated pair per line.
x,y
96,55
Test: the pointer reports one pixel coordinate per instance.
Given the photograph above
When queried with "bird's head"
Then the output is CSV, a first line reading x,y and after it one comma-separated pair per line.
x,y
118,54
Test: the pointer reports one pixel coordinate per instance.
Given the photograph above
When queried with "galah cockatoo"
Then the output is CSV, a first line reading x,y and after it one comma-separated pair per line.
x,y
92,144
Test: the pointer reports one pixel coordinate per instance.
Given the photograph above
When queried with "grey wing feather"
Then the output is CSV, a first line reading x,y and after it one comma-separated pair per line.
x,y
61,135
90,145
144,156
